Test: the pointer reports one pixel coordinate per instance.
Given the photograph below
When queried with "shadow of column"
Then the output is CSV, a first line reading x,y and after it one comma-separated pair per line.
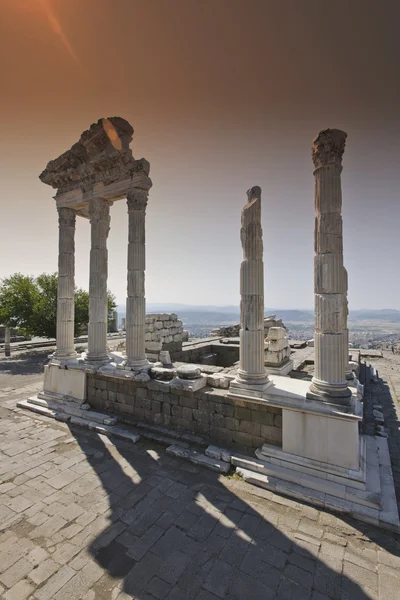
x,y
176,527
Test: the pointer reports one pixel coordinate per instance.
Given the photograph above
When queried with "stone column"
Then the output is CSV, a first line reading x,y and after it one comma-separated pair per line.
x,y
251,373
7,340
136,302
65,349
99,212
329,382
347,369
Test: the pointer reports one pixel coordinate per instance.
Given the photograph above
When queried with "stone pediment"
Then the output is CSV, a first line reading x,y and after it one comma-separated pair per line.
x,y
100,164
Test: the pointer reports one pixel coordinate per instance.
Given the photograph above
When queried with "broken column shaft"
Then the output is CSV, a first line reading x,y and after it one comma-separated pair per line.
x,y
251,373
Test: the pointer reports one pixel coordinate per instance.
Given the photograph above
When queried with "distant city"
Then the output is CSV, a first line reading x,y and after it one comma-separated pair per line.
x,y
367,328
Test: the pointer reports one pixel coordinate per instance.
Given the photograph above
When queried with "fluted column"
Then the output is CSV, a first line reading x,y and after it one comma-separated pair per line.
x,y
251,373
65,349
329,381
99,212
136,301
347,369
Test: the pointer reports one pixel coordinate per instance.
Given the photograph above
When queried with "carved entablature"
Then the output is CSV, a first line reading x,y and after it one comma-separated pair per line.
x,y
328,147
102,156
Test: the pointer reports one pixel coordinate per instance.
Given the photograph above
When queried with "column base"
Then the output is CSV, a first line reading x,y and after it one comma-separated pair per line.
x,y
249,384
140,364
64,356
332,393
97,359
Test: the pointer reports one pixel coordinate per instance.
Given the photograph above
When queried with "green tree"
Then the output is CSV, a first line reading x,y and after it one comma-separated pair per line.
x,y
18,296
31,305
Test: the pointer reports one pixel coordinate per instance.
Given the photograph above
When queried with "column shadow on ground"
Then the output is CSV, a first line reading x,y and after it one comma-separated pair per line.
x,y
176,532
28,365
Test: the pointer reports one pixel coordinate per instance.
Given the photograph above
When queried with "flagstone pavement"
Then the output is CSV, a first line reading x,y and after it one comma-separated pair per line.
x,y
84,517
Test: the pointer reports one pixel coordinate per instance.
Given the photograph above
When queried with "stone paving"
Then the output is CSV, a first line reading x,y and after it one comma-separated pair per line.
x,y
386,392
81,517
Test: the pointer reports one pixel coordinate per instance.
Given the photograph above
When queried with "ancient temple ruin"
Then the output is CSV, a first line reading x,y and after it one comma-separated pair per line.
x,y
289,435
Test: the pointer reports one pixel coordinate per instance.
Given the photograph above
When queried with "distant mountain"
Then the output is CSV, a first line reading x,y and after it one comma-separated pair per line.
x,y
226,315
385,314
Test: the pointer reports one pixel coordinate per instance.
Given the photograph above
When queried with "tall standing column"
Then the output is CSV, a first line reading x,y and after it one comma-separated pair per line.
x,y
329,382
99,213
65,349
347,369
136,301
251,373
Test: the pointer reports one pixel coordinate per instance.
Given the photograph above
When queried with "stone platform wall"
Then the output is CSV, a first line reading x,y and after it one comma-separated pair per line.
x,y
207,412
224,355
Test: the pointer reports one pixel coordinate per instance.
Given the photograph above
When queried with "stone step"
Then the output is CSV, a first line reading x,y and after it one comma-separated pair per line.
x,y
198,458
320,499
171,434
109,430
275,455
72,410
365,497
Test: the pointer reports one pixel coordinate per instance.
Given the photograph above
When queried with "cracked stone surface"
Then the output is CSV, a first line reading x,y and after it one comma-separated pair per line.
x,y
82,517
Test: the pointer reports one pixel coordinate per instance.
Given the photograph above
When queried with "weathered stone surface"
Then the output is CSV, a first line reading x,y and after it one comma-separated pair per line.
x,y
331,338
188,372
251,372
198,458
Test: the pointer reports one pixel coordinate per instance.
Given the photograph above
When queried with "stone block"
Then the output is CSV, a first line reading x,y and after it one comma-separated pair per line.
x,y
189,402
214,452
250,427
277,345
223,409
155,406
243,439
66,382
262,417
153,346
166,408
188,372
220,434
138,412
180,386
243,413
141,393
271,435
232,423
187,413
176,411
126,409
218,420
276,333
201,416
273,358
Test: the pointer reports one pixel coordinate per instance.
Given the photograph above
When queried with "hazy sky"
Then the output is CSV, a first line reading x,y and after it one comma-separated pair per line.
x,y
223,95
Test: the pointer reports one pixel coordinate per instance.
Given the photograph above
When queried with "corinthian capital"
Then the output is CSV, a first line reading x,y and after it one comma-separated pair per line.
x,y
66,217
328,147
99,210
137,199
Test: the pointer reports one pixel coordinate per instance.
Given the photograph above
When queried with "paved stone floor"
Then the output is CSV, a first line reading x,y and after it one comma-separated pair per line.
x,y
81,517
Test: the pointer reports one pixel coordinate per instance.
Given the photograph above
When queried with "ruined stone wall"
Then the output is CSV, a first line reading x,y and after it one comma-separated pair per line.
x,y
163,332
224,355
233,330
207,412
